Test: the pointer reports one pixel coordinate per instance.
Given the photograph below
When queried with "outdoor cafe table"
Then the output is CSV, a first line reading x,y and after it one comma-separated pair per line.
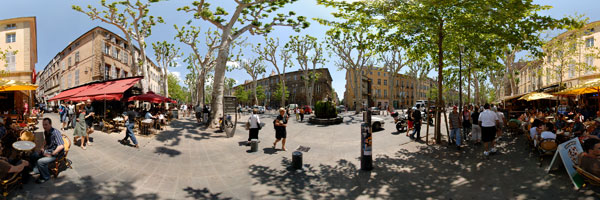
x,y
145,128
23,147
118,121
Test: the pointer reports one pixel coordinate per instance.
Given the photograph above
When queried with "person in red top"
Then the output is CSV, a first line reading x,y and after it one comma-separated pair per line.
x,y
25,108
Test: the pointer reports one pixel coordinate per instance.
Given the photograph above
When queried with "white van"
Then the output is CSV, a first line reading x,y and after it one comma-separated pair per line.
x,y
292,106
422,104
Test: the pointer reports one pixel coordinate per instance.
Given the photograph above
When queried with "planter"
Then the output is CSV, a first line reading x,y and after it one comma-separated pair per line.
x,y
326,121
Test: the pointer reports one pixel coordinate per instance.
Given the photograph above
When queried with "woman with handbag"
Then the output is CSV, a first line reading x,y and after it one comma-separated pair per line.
x,y
253,125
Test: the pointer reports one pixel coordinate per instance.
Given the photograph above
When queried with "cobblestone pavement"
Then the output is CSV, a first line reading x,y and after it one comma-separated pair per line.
x,y
188,162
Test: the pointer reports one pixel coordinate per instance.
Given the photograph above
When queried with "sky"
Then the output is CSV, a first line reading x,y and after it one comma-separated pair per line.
x,y
58,24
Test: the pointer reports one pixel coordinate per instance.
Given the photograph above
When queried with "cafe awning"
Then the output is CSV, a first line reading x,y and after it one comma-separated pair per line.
x,y
537,96
592,86
150,97
106,90
12,85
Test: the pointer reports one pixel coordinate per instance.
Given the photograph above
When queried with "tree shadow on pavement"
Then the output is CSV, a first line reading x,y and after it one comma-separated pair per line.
x,y
434,171
85,188
168,151
173,136
203,193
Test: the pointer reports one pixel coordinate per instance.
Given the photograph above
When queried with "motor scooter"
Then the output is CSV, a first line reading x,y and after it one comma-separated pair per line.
x,y
400,121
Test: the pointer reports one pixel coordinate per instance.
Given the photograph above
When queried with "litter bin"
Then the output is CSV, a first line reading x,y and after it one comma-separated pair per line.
x,y
297,160
254,145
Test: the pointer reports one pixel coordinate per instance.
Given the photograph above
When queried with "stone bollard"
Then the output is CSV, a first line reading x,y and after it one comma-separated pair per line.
x,y
297,160
254,145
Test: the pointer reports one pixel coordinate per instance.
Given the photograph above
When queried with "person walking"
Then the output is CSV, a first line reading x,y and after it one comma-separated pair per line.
x,y
89,120
410,121
129,118
79,131
71,114
302,112
488,120
254,125
417,123
62,111
475,129
280,128
297,111
500,127
455,125
466,122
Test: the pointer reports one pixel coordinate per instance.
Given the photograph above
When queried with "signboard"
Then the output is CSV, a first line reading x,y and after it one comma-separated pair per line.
x,y
229,104
366,140
568,152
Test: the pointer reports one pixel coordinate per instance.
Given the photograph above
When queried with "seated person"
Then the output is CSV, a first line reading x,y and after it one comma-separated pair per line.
x,y
161,118
547,133
536,128
589,159
578,127
560,122
2,128
149,116
7,168
53,148
596,132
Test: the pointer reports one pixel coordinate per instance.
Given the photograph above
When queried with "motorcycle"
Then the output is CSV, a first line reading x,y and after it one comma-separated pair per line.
x,y
401,123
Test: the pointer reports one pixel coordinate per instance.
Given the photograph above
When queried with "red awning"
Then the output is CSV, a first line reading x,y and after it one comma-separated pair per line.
x,y
150,97
68,93
107,90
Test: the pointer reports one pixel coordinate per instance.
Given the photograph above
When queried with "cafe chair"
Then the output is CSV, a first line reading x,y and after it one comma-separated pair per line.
x,y
12,182
107,126
62,161
26,136
588,178
513,128
547,147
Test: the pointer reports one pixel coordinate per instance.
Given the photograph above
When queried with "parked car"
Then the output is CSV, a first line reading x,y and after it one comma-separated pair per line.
x,y
307,109
261,110
377,123
375,111
292,106
341,108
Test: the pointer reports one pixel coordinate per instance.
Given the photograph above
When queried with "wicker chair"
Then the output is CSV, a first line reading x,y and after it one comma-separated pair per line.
x,y
587,177
11,183
62,161
108,126
26,136
547,147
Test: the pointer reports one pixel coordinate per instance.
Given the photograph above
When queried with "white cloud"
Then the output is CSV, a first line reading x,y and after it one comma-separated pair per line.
x,y
178,75
233,64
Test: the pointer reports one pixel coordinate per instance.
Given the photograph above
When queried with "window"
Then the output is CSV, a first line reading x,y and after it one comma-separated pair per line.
x,y
69,81
118,74
11,62
370,73
548,74
385,93
106,71
69,59
114,52
106,48
122,74
118,54
113,72
378,81
384,74
10,26
11,37
589,42
571,70
384,82
77,77
125,58
76,57
589,61
63,65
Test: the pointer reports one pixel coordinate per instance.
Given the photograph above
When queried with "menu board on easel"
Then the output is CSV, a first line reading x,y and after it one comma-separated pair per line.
x,y
568,152
229,104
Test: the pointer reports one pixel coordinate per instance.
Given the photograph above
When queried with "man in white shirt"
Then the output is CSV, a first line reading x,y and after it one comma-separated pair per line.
x,y
547,134
488,120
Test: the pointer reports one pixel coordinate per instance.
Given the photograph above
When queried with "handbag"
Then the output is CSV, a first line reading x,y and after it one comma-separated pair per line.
x,y
258,124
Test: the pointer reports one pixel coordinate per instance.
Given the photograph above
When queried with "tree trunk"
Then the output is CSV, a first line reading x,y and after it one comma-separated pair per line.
x,y
440,42
358,89
146,80
200,88
218,81
166,83
306,87
282,85
254,84
390,89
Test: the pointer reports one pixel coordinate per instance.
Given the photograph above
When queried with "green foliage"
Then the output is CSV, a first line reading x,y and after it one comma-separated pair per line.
x,y
242,95
325,109
175,90
277,93
260,94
